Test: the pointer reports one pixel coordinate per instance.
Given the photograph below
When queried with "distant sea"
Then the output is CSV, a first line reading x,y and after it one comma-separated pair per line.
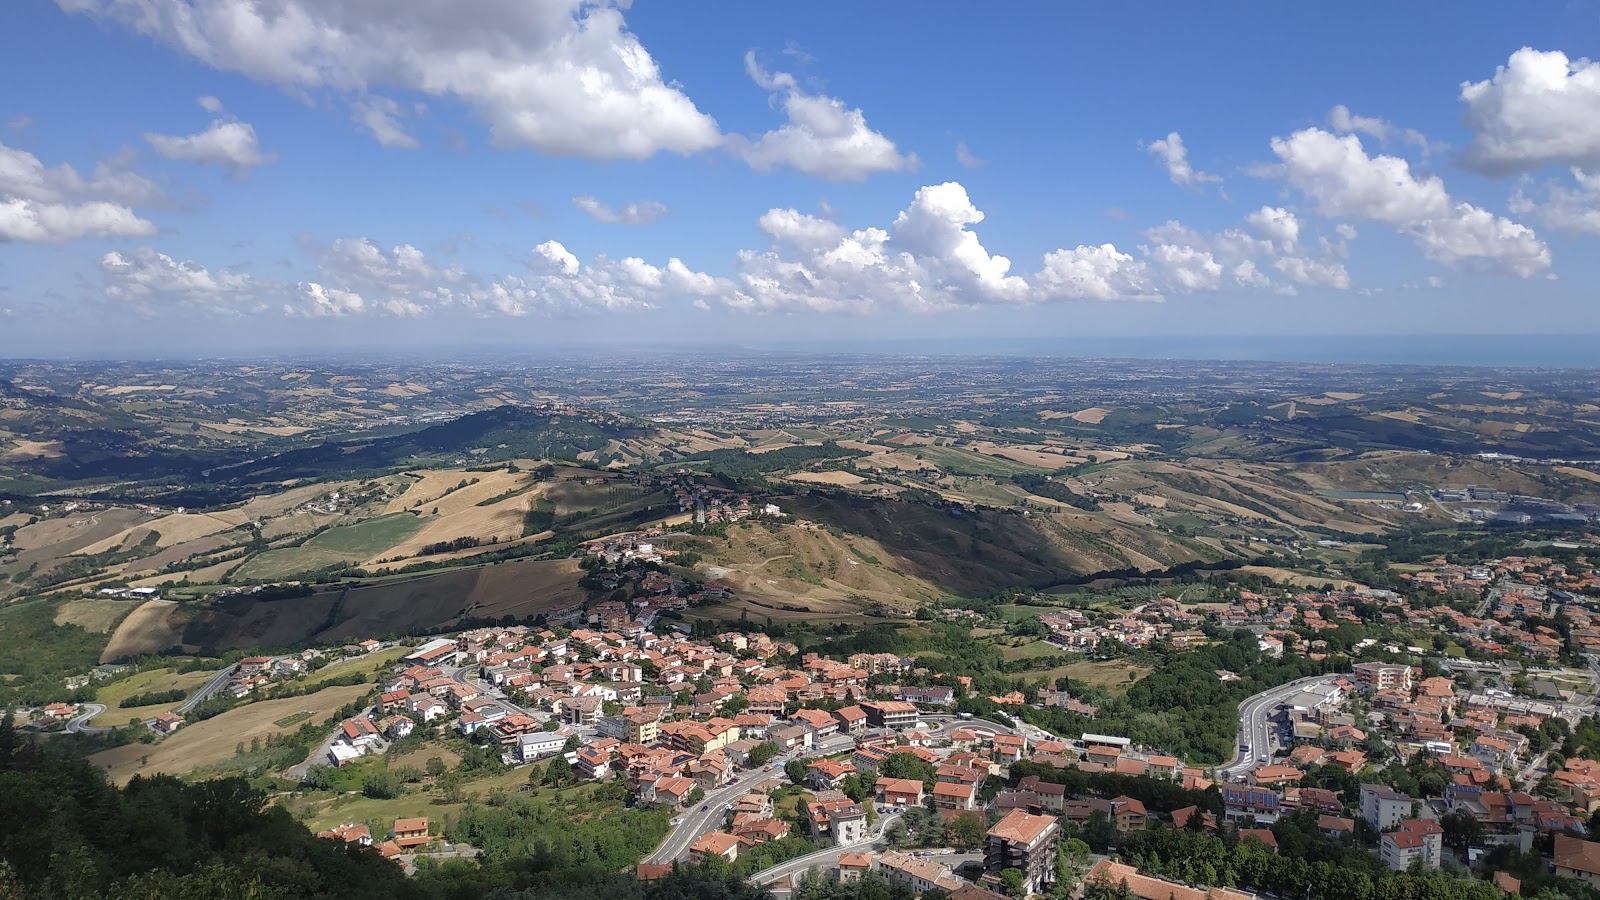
x,y
1522,350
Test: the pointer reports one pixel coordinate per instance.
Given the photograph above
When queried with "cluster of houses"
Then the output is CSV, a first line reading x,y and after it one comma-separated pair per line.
x,y
409,835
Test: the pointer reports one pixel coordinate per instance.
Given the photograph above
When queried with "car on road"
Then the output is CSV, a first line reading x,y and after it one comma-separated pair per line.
x,y
703,806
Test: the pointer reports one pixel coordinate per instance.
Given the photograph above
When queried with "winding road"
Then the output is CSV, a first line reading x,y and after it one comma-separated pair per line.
x,y
80,724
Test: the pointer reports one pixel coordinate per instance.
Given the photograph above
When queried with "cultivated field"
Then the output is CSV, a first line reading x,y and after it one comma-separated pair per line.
x,y
214,740
842,479
94,616
148,629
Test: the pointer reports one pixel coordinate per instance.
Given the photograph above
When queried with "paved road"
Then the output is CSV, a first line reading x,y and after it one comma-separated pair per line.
x,y
824,860
80,725
207,690
707,816
1254,728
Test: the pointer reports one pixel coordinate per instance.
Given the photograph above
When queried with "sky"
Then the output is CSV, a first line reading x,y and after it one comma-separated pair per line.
x,y
226,176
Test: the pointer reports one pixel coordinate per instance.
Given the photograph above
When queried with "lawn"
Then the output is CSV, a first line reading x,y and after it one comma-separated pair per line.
x,y
1032,650
323,811
1109,675
365,540
363,664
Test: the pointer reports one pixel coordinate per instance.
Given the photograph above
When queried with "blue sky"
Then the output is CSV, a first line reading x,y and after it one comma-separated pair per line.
x,y
227,175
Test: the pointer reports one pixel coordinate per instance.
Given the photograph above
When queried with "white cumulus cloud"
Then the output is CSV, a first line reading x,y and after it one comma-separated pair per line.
x,y
229,144
46,204
564,77
150,283
1344,182
1539,108
1174,156
1574,208
823,137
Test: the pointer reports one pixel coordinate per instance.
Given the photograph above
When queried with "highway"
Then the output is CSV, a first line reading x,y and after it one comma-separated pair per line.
x,y
1255,731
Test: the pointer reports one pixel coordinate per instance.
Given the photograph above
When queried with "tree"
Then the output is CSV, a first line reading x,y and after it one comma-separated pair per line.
x,y
967,831
695,795
320,778
906,765
1072,860
1461,830
380,784
435,766
557,771
1012,883
895,835
572,744
796,770
762,753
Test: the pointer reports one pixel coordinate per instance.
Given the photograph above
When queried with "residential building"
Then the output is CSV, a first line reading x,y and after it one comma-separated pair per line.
x,y
915,874
1375,676
952,796
1577,858
1146,887
167,723
1382,807
890,713
1027,843
900,792
1416,842
716,843
410,833
853,865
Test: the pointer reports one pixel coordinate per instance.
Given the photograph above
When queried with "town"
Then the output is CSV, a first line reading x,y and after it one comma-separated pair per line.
x,y
1480,744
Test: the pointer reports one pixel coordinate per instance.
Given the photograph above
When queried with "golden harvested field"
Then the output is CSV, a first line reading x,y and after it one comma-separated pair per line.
x,y
1029,455
843,479
213,741
1410,417
94,616
234,426
69,533
25,450
438,489
144,683
174,529
1343,395
147,629
1576,472
276,504
501,520
1284,576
